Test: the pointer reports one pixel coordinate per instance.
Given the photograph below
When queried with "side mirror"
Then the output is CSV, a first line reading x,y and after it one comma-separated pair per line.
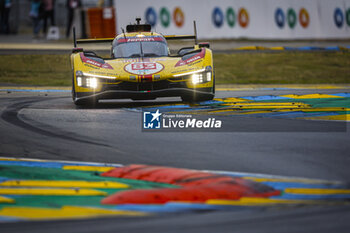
x,y
77,50
204,45
185,50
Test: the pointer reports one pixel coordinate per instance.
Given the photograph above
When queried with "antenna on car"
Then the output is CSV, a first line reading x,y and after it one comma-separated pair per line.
x,y
74,38
138,20
195,32
124,34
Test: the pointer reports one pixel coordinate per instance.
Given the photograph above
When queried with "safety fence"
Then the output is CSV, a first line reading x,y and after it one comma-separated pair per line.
x,y
265,19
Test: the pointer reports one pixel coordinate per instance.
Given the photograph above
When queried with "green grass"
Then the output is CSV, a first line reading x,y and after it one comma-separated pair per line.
x,y
236,68
41,70
283,68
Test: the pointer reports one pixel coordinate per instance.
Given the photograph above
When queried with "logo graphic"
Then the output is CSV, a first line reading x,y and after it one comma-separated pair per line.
x,y
338,17
279,18
178,17
291,18
231,17
143,68
304,17
218,17
152,120
243,17
165,17
151,16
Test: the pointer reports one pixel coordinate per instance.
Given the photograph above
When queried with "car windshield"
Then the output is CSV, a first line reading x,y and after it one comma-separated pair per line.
x,y
136,49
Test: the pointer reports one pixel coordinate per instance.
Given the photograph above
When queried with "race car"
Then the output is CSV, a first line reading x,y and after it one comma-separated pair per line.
x,y
142,68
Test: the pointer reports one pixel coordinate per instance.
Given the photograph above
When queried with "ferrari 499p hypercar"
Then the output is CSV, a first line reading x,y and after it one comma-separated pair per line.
x,y
142,68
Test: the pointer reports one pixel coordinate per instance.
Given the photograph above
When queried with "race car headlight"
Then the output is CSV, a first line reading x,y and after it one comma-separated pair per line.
x,y
198,77
208,76
79,81
201,77
89,80
79,76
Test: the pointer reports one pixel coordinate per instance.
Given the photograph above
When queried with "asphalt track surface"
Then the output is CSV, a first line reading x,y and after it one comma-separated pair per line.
x,y
49,126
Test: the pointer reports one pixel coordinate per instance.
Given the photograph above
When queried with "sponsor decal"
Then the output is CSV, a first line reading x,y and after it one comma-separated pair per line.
x,y
151,16
165,17
338,17
195,57
218,17
183,71
243,17
167,121
304,18
291,18
231,17
178,17
143,68
95,63
279,18
97,72
141,39
90,66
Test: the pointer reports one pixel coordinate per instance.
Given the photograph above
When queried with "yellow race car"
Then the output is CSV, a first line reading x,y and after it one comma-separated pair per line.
x,y
141,68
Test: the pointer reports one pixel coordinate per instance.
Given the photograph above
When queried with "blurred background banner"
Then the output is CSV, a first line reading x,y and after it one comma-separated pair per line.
x,y
262,19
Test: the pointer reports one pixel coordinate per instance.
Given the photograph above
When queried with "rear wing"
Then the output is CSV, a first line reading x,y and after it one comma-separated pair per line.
x,y
89,41
110,40
179,37
184,37
97,40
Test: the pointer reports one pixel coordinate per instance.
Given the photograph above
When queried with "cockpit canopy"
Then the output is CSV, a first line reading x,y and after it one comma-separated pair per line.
x,y
140,46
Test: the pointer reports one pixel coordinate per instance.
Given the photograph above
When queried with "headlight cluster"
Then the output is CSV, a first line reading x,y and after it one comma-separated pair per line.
x,y
197,77
86,81
202,77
